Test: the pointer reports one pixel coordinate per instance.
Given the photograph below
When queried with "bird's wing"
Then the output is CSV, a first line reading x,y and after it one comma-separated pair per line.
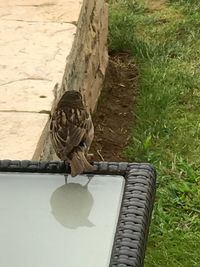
x,y
68,127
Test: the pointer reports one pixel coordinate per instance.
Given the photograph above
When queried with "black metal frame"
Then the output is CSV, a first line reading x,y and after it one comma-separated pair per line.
x,y
136,209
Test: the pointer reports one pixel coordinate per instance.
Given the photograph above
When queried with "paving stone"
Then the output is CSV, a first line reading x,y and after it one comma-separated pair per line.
x,y
40,10
20,133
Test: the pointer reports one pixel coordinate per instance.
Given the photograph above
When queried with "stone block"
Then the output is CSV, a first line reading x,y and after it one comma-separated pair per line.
x,y
20,134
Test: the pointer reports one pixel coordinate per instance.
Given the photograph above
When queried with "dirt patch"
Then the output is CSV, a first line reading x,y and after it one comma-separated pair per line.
x,y
114,117
154,5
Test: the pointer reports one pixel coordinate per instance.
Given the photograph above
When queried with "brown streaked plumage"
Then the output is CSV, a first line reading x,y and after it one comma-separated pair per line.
x,y
72,132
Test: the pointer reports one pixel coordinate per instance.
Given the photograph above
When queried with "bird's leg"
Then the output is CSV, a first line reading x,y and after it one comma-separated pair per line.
x,y
89,176
66,176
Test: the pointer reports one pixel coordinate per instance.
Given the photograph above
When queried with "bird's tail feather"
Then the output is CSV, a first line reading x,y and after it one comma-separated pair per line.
x,y
79,163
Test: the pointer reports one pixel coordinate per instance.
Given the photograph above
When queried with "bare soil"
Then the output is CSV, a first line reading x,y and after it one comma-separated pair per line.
x,y
155,5
114,118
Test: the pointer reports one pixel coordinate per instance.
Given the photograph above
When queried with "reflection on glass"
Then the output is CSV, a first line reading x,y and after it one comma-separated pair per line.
x,y
47,223
71,204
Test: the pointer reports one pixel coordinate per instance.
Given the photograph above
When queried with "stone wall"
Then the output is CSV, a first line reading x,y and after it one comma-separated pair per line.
x,y
86,64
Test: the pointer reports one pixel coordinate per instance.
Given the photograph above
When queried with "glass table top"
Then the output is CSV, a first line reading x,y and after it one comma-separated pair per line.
x,y
46,222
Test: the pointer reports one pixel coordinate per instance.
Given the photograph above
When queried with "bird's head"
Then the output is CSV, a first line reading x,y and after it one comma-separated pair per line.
x,y
72,99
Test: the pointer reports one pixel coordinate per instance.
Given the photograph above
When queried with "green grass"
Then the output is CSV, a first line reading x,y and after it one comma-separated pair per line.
x,y
166,46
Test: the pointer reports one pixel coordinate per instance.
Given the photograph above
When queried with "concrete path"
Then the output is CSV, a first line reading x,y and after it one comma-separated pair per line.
x,y
35,39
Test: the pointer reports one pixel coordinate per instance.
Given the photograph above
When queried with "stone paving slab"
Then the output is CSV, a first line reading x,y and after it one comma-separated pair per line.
x,y
28,95
20,134
40,10
32,61
35,41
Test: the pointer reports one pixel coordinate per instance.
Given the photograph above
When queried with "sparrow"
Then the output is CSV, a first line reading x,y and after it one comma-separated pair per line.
x,y
72,132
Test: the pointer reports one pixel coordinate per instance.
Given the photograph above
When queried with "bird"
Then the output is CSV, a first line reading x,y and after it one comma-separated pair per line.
x,y
72,131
